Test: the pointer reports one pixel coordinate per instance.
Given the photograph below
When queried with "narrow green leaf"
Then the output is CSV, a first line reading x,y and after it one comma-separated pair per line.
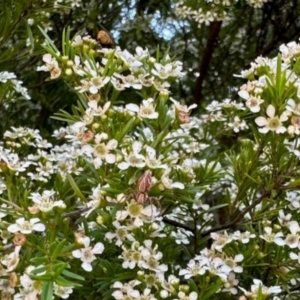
x,y
76,188
39,270
47,291
58,249
66,283
63,42
125,130
72,275
39,260
53,47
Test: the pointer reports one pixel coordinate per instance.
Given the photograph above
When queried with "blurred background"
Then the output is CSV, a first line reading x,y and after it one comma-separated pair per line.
x,y
213,39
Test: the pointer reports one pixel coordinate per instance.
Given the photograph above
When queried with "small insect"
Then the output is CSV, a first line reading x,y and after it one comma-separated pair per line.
x,y
105,39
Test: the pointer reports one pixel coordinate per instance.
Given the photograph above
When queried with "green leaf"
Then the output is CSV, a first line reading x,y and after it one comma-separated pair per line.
x,y
212,290
39,260
127,127
38,270
47,291
52,47
58,249
76,188
66,283
59,268
72,275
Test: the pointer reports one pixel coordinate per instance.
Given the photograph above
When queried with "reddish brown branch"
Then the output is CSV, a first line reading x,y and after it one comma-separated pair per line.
x,y
214,31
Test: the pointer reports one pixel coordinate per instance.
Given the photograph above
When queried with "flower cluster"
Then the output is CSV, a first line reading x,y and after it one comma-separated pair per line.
x,y
139,192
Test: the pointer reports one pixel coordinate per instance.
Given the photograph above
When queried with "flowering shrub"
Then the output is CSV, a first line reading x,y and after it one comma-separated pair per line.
x,y
140,199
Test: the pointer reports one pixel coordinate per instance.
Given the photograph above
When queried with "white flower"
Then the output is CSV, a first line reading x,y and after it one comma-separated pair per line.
x,y
101,151
293,107
134,159
183,296
168,183
253,102
26,227
51,65
146,110
11,260
273,123
151,257
121,234
86,254
237,124
163,72
97,110
193,269
97,83
292,240
230,283
295,256
270,237
137,212
62,291
181,236
231,264
45,201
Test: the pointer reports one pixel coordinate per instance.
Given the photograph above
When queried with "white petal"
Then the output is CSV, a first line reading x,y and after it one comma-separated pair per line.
x,y
132,107
121,215
294,255
238,257
98,248
118,295
112,144
39,227
281,129
87,267
135,294
264,130
110,158
123,165
244,94
138,222
271,111
136,147
13,228
178,185
88,150
294,227
93,90
76,253
261,121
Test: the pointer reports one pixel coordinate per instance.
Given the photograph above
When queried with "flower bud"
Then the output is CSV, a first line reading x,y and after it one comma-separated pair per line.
x,y
34,209
70,63
12,280
100,220
164,294
69,71
19,239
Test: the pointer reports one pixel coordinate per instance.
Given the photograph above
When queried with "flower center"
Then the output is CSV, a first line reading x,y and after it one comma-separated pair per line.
x,y
135,209
101,150
274,123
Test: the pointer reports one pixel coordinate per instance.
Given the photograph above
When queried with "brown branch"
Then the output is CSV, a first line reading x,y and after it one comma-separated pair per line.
x,y
177,224
214,31
239,217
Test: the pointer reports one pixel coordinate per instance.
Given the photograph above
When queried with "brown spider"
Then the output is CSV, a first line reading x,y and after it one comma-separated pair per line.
x,y
144,184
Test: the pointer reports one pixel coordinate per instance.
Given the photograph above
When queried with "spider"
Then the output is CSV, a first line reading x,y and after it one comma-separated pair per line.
x,y
143,186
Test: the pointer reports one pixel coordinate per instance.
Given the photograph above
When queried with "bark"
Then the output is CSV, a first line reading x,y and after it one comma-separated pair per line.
x,y
214,31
